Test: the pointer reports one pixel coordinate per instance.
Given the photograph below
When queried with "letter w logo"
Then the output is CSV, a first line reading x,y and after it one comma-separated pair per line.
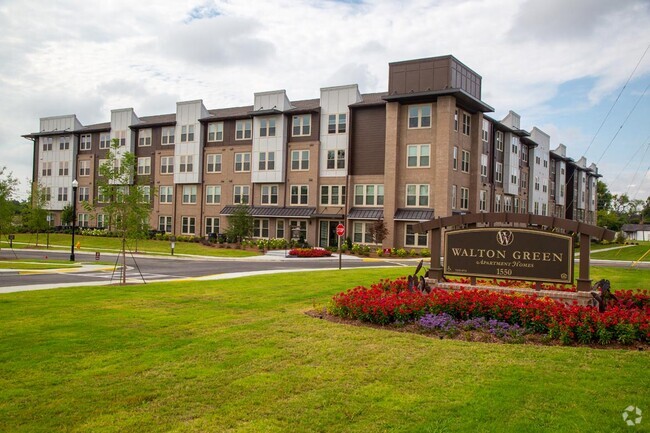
x,y
505,237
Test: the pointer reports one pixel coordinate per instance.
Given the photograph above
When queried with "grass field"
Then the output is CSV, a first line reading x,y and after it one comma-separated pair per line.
x,y
241,356
97,243
635,252
36,264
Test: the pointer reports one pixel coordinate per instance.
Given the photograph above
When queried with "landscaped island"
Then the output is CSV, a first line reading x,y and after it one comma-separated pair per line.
x,y
509,317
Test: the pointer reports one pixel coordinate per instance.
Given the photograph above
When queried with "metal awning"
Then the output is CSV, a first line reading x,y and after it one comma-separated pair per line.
x,y
403,214
357,213
274,212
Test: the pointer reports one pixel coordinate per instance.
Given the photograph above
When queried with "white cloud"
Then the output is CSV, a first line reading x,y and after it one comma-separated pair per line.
x,y
83,57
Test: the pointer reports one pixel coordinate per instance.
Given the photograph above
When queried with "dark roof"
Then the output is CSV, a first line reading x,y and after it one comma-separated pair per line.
x,y
221,113
104,126
357,213
161,119
462,96
371,99
502,126
413,214
272,211
636,227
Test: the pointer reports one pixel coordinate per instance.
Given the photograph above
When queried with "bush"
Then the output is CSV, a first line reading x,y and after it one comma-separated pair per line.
x,y
425,252
401,252
310,252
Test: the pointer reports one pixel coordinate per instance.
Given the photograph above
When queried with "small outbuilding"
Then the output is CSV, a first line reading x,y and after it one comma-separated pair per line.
x,y
637,232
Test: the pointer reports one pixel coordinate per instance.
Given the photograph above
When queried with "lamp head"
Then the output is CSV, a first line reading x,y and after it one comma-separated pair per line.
x,y
75,183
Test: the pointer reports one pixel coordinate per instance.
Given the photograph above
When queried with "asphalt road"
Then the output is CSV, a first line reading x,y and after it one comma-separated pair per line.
x,y
155,268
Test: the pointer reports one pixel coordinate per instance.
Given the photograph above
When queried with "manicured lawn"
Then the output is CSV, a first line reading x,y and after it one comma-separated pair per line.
x,y
623,278
633,253
97,243
241,356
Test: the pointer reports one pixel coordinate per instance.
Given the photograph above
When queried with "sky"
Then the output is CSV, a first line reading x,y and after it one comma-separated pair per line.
x,y
577,69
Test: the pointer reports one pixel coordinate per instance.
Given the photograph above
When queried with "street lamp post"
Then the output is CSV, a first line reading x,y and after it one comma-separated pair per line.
x,y
75,184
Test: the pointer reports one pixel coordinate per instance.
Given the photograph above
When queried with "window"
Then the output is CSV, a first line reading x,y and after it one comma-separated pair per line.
x,y
417,155
484,162
267,161
101,221
485,130
456,120
298,229
536,183
467,123
497,203
536,208
213,194
144,137
64,143
120,136
146,194
361,233
64,168
63,194
267,128
545,163
516,204
336,159
413,239
166,194
242,194
101,198
524,205
515,145
464,163
499,140
84,168
213,163
269,194
211,225
104,140
454,163
507,203
545,188
464,198
369,195
46,169
215,131
166,164
524,153
279,229
47,143
168,135
242,162
84,144
337,123
165,224
419,116
544,209
417,195
299,194
482,201
498,172
260,228
524,182
537,160
299,160
243,130
187,133
513,178
82,219
454,197
84,193
189,194
144,165
302,125
188,225
332,195
187,164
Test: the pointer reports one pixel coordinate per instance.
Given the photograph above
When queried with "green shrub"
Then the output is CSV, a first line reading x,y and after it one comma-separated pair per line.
x,y
425,252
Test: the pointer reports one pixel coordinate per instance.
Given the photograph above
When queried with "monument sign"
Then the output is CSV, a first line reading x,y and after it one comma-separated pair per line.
x,y
509,253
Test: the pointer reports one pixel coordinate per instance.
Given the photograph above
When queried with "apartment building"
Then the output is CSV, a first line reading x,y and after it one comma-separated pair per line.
x,y
423,149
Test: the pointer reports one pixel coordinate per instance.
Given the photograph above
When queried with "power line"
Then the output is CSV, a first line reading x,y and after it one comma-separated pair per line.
x,y
615,101
624,122
641,183
645,142
637,170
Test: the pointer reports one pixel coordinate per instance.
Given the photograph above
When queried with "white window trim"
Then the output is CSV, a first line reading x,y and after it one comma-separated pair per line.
x,y
417,195
418,155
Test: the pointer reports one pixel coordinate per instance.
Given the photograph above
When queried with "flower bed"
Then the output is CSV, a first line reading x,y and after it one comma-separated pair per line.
x,y
625,321
309,252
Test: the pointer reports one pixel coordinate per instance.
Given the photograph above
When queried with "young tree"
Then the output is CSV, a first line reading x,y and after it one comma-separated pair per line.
x,y
125,198
8,185
36,213
240,223
378,231
67,214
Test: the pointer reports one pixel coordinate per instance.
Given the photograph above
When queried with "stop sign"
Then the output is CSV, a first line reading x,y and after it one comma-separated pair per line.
x,y
340,229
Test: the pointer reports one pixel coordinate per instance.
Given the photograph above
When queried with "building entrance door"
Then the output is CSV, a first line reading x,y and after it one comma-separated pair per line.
x,y
328,236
